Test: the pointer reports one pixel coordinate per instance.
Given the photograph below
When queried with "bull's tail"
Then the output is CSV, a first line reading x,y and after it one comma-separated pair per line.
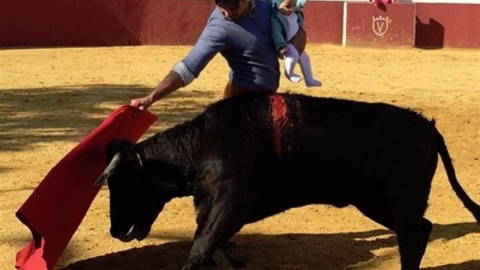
x,y
472,206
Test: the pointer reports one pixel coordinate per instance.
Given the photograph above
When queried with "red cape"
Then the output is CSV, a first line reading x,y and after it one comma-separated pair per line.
x,y
58,205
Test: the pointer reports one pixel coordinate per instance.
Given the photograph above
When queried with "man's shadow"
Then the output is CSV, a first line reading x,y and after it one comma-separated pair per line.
x,y
285,251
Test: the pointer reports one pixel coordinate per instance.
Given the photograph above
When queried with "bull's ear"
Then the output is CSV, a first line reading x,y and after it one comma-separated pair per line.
x,y
109,170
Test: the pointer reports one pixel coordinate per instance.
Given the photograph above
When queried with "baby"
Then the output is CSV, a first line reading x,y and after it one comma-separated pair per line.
x,y
287,19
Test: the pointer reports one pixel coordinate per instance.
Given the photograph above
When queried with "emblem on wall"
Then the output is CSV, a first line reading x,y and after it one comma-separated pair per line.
x,y
380,25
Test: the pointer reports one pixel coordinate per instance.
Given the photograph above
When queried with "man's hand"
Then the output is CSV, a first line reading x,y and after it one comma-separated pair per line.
x,y
170,83
142,103
283,51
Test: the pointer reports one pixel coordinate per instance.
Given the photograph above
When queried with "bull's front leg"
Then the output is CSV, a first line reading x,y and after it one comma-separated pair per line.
x,y
224,219
220,256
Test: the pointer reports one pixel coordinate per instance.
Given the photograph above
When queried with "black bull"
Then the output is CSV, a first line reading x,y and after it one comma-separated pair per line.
x,y
253,156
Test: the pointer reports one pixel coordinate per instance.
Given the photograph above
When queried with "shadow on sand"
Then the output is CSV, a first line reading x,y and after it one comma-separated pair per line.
x,y
286,251
69,113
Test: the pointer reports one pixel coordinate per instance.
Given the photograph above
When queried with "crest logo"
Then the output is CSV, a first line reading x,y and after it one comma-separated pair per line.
x,y
380,25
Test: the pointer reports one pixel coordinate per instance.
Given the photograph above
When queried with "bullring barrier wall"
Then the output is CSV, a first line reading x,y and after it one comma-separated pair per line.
x,y
179,22
447,25
101,22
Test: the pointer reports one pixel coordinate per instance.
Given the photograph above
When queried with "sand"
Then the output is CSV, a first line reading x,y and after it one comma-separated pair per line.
x,y
51,98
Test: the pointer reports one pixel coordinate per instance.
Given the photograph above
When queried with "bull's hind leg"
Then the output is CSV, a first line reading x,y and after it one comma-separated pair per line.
x,y
406,219
413,230
225,218
413,233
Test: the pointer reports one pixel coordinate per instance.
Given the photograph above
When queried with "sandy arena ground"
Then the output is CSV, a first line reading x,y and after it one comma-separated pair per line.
x,y
51,98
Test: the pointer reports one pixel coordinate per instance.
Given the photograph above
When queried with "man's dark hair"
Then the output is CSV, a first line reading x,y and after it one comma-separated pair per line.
x,y
221,2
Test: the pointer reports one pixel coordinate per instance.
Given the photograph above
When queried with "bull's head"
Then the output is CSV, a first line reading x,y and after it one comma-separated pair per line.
x,y
135,198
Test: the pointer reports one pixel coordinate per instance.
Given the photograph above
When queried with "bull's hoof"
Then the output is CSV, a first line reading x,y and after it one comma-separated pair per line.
x,y
236,263
230,244
224,260
209,261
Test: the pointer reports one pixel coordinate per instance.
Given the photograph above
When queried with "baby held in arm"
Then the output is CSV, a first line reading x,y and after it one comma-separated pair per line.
x,y
290,39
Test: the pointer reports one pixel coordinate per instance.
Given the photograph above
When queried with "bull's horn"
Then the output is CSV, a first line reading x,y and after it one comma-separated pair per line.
x,y
109,170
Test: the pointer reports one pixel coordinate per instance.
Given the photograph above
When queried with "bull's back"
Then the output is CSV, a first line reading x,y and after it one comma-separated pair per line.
x,y
340,147
320,150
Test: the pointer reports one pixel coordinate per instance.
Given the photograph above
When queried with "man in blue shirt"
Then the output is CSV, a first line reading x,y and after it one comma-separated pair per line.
x,y
240,31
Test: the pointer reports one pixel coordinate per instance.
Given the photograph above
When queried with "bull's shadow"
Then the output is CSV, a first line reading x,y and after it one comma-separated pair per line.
x,y
285,251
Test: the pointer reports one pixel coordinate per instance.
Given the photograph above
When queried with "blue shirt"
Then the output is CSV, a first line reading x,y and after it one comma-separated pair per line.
x,y
246,45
